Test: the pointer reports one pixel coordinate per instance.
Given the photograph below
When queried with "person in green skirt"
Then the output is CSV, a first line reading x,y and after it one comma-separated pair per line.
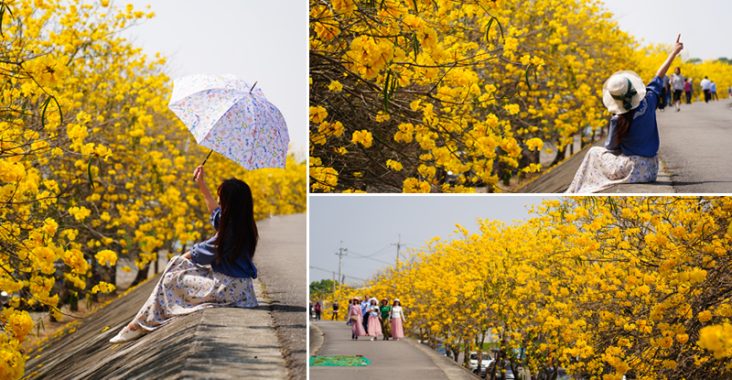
x,y
385,314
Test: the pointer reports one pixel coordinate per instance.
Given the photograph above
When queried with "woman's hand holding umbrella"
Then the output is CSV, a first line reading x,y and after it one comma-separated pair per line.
x,y
198,177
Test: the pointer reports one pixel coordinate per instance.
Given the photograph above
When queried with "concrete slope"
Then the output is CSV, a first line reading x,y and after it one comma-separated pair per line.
x,y
217,343
558,179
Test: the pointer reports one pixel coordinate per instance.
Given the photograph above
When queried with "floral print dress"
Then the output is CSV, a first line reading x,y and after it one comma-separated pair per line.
x,y
186,287
190,285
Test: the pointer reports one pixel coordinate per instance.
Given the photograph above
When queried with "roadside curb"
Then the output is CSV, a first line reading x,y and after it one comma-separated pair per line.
x,y
452,370
316,339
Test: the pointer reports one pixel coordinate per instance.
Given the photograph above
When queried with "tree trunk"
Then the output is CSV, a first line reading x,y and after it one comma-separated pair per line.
x,y
141,275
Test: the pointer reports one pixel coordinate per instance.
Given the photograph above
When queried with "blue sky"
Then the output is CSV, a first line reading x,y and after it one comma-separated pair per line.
x,y
705,25
369,225
260,41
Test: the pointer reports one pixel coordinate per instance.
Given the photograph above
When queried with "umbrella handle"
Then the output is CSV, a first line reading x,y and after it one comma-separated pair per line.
x,y
252,89
207,156
205,159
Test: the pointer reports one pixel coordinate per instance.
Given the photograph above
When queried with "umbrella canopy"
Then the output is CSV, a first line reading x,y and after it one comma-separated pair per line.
x,y
229,116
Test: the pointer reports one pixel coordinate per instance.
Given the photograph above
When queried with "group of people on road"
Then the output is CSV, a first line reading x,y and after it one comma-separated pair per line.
x,y
677,84
369,318
316,311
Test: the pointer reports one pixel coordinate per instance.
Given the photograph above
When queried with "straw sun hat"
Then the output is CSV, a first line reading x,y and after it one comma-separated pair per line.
x,y
623,92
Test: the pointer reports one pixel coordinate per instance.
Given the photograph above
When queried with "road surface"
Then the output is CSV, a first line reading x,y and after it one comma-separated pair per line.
x,y
696,146
280,258
404,359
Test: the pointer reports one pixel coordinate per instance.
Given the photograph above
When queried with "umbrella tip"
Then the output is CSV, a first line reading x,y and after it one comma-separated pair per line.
x,y
252,89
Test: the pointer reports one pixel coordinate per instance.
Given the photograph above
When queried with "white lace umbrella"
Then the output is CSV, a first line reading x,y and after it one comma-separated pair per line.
x,y
233,118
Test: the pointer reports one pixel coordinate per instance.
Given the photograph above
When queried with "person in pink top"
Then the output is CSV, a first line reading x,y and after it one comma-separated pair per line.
x,y
397,320
374,325
355,318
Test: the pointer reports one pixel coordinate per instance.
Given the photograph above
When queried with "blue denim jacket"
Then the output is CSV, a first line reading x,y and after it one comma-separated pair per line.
x,y
203,253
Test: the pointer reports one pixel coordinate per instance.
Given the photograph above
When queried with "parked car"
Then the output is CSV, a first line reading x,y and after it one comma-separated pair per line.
x,y
484,363
507,375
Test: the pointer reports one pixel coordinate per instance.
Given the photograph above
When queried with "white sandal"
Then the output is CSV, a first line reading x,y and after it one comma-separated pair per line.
x,y
126,335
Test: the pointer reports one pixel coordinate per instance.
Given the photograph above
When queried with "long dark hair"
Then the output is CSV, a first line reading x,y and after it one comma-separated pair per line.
x,y
623,125
237,233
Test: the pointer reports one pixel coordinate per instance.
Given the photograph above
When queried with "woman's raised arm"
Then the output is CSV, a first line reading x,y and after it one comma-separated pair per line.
x,y
677,49
210,201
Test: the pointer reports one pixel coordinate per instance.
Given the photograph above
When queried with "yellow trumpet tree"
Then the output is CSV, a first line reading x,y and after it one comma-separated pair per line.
x,y
601,287
428,96
93,166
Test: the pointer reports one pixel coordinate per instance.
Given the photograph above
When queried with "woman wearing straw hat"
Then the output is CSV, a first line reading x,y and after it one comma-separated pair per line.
x,y
356,319
374,322
630,152
397,320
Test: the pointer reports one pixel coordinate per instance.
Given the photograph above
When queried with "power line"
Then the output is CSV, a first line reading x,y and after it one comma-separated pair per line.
x,y
332,271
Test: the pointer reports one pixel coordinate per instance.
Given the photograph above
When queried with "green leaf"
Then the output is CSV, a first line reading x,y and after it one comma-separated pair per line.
x,y
89,173
45,109
2,13
526,75
386,91
415,45
488,29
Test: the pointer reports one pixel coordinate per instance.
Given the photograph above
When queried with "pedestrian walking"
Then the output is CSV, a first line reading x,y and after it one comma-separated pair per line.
x,y
374,322
688,88
677,81
713,90
365,305
397,320
355,318
215,272
318,310
334,316
706,86
662,102
630,152
385,310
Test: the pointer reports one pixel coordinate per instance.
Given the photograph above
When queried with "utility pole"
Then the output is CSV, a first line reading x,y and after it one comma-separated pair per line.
x,y
398,245
341,252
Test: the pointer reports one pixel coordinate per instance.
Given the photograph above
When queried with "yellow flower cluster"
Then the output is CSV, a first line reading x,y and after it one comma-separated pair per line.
x,y
599,286
106,257
103,287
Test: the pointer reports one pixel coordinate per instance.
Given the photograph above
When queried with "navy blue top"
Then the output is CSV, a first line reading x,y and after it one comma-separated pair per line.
x,y
203,253
642,137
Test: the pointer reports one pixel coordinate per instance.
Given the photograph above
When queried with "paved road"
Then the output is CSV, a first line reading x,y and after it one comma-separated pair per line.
x,y
402,359
696,146
280,259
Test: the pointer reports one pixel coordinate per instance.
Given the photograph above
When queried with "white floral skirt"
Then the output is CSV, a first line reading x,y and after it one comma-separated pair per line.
x,y
186,287
604,168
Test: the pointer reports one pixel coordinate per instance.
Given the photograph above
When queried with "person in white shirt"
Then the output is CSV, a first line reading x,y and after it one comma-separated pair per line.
x,y
677,83
397,319
706,86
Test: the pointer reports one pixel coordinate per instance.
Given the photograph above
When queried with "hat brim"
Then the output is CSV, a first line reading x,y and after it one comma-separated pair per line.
x,y
616,106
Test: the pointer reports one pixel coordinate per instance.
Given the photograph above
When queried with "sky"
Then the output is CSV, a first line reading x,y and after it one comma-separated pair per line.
x,y
263,41
704,24
369,225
